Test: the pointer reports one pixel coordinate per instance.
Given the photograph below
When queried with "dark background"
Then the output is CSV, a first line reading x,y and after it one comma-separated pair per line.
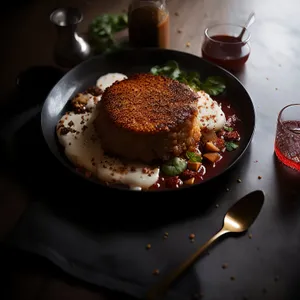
x,y
265,266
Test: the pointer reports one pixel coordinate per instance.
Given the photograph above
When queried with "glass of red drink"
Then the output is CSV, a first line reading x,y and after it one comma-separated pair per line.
x,y
224,46
287,141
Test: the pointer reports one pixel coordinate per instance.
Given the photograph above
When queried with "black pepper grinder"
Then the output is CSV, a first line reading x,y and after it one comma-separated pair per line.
x,y
70,48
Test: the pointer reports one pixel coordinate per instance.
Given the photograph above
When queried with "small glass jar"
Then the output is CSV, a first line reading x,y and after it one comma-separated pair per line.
x,y
148,24
223,46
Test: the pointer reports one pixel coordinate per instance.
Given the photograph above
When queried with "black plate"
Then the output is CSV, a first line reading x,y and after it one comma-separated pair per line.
x,y
132,61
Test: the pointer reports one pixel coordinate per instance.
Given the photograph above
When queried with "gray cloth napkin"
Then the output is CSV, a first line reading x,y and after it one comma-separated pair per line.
x,y
118,260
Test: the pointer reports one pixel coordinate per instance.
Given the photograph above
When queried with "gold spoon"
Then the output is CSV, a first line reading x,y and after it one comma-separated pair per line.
x,y
237,219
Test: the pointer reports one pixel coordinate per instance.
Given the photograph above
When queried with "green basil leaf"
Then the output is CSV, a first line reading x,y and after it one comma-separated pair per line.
x,y
155,70
228,128
193,75
174,166
230,146
214,85
194,157
211,90
170,69
172,64
216,80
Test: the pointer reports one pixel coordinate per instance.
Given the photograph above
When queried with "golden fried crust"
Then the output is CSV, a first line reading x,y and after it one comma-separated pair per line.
x,y
146,103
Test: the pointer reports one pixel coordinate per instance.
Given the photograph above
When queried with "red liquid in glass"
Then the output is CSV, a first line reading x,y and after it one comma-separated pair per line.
x,y
287,144
226,51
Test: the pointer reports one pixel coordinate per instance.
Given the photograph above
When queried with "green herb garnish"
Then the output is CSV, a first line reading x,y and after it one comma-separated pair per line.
x,y
102,31
194,157
230,146
213,85
228,128
171,69
174,166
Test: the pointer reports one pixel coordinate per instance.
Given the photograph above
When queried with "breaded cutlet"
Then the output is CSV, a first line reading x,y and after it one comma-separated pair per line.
x,y
148,117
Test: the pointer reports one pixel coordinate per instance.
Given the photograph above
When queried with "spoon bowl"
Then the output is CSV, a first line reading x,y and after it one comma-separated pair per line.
x,y
243,213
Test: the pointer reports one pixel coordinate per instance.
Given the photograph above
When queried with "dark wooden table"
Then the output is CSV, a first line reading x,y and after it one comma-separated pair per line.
x,y
272,79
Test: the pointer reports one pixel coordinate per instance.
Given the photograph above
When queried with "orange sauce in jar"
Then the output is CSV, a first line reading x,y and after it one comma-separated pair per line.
x,y
148,26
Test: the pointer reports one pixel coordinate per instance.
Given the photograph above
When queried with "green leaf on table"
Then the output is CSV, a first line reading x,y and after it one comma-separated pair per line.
x,y
102,30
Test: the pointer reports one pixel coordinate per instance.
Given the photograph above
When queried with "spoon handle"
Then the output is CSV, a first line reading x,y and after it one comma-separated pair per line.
x,y
249,22
161,288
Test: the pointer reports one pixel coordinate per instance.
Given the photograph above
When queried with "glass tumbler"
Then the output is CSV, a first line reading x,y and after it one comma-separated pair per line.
x,y
287,140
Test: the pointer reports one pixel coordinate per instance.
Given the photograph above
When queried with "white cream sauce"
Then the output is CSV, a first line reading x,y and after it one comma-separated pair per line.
x,y
108,79
211,115
83,149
